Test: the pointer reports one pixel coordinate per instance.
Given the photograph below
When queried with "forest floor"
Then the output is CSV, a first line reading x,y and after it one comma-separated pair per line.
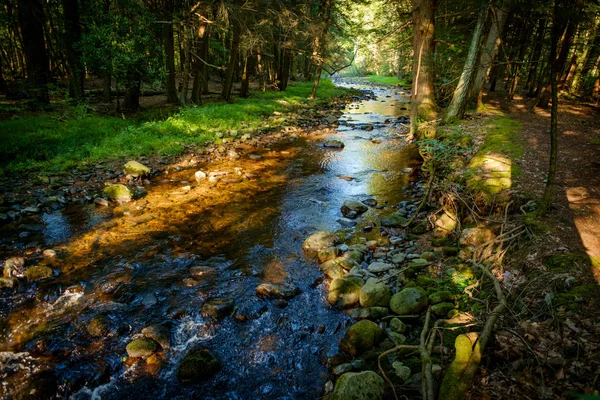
x,y
547,346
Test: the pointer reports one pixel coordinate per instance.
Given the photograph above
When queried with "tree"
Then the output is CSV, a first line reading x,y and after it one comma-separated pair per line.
x,y
169,45
72,37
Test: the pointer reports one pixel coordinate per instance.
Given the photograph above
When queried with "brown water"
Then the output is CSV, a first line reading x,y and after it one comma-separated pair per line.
x,y
130,263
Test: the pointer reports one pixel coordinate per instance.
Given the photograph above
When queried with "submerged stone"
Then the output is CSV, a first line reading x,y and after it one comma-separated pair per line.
x,y
277,290
354,207
218,308
159,333
141,348
119,193
38,273
198,365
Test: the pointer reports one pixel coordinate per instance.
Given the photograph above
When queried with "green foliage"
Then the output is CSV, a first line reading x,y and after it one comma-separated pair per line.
x,y
386,80
56,142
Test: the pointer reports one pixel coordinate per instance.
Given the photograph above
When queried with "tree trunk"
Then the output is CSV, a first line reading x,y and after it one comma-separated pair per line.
x,y
422,95
518,61
235,46
31,19
490,50
246,76
535,58
260,71
169,45
131,101
72,51
284,70
587,47
106,96
319,43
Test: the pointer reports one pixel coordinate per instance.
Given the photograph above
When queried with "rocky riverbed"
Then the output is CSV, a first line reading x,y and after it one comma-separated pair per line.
x,y
191,279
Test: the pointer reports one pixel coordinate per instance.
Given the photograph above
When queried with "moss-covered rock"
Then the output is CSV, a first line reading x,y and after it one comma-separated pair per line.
x,y
397,325
374,293
14,267
337,267
135,169
198,365
99,326
352,209
442,309
440,297
394,220
218,308
425,281
8,283
161,334
318,241
366,385
361,336
38,273
119,193
476,236
327,254
141,347
411,300
345,291
372,313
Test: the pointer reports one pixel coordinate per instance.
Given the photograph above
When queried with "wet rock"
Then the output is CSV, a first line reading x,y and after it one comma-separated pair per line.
x,y
218,308
476,236
200,176
370,202
319,240
331,119
199,364
49,253
397,325
442,309
118,193
377,267
411,300
14,266
135,169
442,296
249,309
149,300
334,144
8,283
40,386
201,271
337,267
328,254
38,273
374,293
372,313
366,385
346,222
345,291
342,369
99,326
277,290
255,157
31,210
141,348
394,220
361,336
367,128
352,209
160,334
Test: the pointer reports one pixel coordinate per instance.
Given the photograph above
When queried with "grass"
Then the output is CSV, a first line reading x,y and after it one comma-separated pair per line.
x,y
386,80
50,143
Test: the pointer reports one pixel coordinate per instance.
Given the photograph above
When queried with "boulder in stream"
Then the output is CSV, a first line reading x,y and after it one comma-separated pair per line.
x,y
199,364
366,385
318,241
141,348
352,209
38,273
334,144
135,169
161,334
14,267
277,290
218,308
119,193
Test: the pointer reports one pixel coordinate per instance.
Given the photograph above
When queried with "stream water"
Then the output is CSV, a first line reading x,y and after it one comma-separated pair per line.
x,y
132,264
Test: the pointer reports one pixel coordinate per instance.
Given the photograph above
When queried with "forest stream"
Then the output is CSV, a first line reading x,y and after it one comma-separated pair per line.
x,y
162,258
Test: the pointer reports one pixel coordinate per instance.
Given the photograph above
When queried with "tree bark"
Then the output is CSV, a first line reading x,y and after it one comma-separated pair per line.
x,y
422,95
284,70
131,101
235,46
31,20
72,52
169,45
534,62
248,65
518,61
319,43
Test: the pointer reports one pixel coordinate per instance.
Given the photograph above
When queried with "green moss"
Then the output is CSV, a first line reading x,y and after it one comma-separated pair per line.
x,y
386,80
38,273
141,347
361,336
568,262
576,298
198,365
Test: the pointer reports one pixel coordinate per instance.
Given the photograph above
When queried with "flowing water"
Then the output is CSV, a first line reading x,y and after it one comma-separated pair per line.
x,y
131,263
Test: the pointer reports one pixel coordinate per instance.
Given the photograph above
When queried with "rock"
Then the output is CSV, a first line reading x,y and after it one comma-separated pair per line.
x,y
119,193
99,326
398,258
327,254
442,309
358,364
346,222
351,207
370,202
101,202
8,283
331,119
394,220
149,300
425,281
345,291
476,236
218,308
442,296
377,267
411,300
49,253
160,334
372,313
402,371
418,264
200,176
445,224
14,267
199,364
361,336
334,144
141,348
319,240
342,369
428,255
374,293
255,157
395,337
337,267
397,325
201,271
277,290
249,309
366,385
38,273
136,169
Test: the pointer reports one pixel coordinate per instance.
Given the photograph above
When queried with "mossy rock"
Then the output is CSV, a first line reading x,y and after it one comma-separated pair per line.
x,y
161,334
394,220
366,385
141,348
345,291
318,241
419,228
411,300
361,336
372,313
99,326
8,283
327,254
440,242
442,309
578,297
375,293
38,273
337,267
136,169
355,207
441,297
119,193
198,365
397,325
425,281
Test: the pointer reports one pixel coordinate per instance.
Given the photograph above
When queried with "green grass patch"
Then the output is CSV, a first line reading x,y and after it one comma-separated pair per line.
x,y
386,80
53,143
